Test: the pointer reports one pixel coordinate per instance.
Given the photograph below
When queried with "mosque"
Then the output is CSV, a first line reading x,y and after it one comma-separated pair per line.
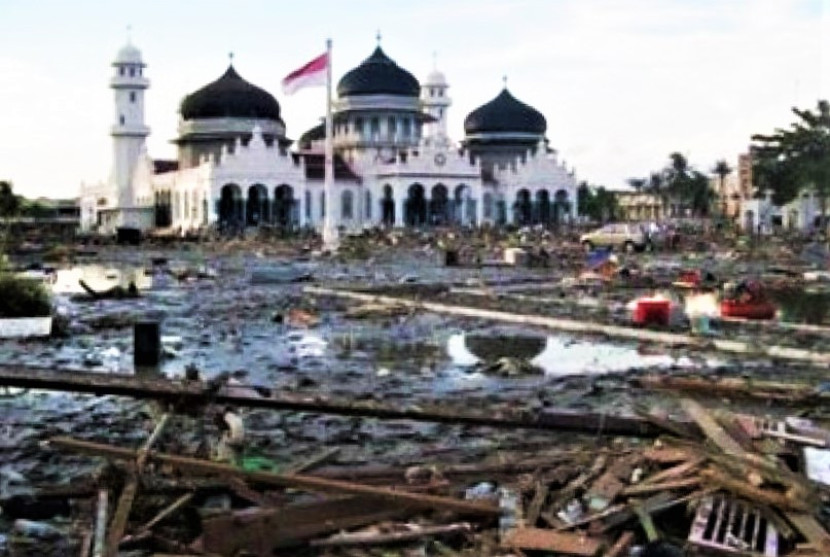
x,y
394,163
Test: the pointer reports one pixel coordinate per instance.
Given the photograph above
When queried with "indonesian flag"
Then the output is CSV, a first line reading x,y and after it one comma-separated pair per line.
x,y
310,75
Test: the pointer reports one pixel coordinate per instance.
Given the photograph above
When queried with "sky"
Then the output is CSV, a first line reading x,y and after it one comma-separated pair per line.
x,y
622,83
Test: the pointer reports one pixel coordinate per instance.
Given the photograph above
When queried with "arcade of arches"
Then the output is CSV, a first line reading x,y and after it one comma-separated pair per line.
x,y
257,207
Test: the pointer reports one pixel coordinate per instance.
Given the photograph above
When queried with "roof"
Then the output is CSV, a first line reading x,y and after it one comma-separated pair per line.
x,y
378,75
315,167
230,96
505,114
160,166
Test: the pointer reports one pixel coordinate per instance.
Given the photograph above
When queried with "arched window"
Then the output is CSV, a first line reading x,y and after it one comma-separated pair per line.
x,y
346,202
488,205
322,204
392,126
307,205
368,205
132,96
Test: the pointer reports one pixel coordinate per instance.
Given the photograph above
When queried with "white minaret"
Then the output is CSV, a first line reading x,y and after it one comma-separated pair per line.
x,y
128,132
435,101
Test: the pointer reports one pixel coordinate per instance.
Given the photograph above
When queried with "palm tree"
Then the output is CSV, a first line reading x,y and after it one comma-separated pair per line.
x,y
722,170
637,183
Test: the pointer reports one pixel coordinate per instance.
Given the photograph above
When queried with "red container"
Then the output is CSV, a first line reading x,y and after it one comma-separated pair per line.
x,y
652,312
747,310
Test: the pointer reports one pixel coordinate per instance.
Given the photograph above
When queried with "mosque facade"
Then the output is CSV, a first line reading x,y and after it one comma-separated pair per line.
x,y
394,163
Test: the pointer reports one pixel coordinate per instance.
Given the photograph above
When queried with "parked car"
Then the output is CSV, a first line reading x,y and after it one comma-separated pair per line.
x,y
626,236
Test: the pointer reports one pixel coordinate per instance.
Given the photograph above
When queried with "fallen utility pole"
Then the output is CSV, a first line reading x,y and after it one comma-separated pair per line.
x,y
296,481
735,387
585,327
195,393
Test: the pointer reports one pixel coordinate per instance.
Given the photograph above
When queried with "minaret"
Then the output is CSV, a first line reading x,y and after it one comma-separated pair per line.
x,y
128,132
435,101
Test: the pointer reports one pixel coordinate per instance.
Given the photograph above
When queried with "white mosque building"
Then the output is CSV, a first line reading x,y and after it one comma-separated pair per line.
x,y
394,163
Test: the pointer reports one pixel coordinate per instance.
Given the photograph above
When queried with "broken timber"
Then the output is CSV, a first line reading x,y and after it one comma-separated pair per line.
x,y
296,481
587,327
194,393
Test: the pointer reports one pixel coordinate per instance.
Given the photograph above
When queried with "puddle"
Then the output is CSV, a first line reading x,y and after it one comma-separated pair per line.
x,y
99,278
556,355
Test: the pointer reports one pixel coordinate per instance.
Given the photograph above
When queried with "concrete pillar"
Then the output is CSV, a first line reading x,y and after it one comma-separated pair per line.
x,y
399,207
146,344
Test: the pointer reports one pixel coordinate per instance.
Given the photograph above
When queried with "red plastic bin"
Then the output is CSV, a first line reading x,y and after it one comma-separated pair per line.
x,y
652,312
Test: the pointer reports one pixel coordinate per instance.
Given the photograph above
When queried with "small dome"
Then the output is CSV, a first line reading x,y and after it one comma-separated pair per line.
x,y
505,114
435,79
128,54
316,133
378,75
230,96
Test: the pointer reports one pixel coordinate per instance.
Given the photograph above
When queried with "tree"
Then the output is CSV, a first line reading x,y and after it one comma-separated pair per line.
x,y
596,202
9,208
9,202
722,170
800,154
637,183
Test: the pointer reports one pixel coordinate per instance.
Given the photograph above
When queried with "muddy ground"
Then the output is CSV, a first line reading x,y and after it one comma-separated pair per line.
x,y
239,322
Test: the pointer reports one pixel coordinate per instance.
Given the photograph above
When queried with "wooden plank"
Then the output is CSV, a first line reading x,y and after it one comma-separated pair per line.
x,y
195,393
283,480
644,489
374,538
711,428
122,513
99,540
753,493
675,472
262,531
540,494
548,540
812,530
622,545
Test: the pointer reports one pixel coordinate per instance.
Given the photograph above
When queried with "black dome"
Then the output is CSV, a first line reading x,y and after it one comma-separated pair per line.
x,y
316,133
505,114
378,75
230,96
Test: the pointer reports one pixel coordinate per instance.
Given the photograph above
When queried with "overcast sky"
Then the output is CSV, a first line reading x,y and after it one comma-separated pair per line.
x,y
622,83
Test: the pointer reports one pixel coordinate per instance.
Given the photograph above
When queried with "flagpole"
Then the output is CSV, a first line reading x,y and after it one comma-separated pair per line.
x,y
330,240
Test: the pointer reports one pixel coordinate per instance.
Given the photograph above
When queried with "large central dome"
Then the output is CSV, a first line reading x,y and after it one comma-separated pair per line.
x,y
378,75
505,114
230,96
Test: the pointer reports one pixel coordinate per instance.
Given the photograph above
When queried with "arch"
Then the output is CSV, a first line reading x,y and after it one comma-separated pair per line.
x,y
461,213
561,205
257,210
230,206
415,207
792,219
522,208
307,207
367,205
387,206
439,205
346,205
284,203
489,207
501,209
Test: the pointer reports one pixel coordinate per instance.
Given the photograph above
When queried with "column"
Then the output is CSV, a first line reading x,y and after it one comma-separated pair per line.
x,y
400,200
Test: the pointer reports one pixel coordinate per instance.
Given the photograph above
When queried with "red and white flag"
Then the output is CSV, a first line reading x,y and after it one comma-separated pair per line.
x,y
310,75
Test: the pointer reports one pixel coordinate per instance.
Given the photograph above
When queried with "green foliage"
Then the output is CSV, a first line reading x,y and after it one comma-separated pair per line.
x,y
21,297
679,183
9,202
791,160
596,202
